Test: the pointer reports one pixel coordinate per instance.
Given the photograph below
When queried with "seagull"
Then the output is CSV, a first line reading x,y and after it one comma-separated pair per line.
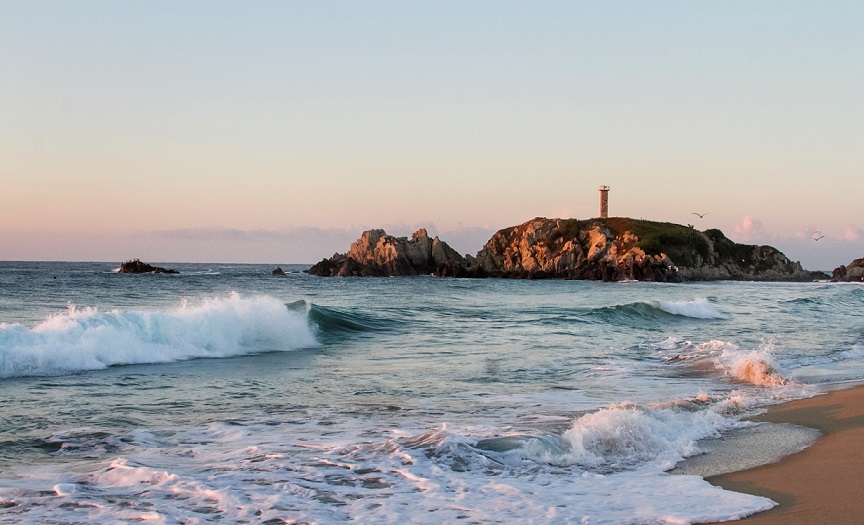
x,y
701,215
816,236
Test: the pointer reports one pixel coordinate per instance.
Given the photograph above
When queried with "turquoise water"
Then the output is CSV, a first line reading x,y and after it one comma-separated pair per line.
x,y
225,394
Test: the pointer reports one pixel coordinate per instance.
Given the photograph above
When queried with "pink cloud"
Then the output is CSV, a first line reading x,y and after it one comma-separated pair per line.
x,y
748,228
852,233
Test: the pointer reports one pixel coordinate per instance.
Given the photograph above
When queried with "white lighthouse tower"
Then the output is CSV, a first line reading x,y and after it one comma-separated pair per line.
x,y
604,202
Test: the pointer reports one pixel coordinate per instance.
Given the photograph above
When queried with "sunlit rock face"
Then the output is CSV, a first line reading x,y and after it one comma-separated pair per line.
x,y
376,254
611,249
617,249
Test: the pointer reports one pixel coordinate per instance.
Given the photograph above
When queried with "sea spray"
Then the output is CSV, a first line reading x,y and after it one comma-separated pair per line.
x,y
623,437
86,339
754,367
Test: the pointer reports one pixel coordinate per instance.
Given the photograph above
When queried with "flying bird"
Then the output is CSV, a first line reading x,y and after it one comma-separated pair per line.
x,y
816,236
701,215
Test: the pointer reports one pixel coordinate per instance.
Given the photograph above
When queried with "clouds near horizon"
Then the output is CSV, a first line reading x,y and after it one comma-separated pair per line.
x,y
293,245
277,131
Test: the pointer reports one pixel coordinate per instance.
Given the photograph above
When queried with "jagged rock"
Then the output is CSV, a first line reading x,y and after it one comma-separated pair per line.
x,y
377,254
617,249
278,271
136,266
854,271
612,249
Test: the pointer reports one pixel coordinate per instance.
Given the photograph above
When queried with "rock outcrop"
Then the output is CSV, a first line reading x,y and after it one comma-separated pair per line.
x,y
376,254
571,249
612,249
617,249
136,266
853,271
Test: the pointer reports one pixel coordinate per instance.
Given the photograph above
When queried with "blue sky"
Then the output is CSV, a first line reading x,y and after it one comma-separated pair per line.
x,y
278,131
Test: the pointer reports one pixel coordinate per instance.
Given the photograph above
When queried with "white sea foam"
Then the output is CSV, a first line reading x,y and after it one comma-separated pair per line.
x,y
625,436
357,434
854,353
258,472
754,367
86,339
696,308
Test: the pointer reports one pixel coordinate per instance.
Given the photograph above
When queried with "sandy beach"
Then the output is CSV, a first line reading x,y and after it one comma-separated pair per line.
x,y
823,483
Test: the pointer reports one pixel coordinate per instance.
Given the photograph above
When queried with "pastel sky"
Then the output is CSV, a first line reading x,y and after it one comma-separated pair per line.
x,y
276,132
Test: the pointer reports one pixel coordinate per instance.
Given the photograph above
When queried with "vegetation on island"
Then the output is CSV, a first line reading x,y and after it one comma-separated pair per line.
x,y
680,243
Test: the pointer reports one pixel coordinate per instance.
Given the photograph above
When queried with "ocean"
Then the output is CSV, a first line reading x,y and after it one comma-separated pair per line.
x,y
225,394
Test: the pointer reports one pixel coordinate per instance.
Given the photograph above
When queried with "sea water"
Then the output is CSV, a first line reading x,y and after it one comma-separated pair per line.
x,y
225,394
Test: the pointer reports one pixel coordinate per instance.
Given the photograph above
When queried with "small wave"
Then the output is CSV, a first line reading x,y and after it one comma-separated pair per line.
x,y
693,309
333,320
620,438
805,301
754,367
854,353
85,339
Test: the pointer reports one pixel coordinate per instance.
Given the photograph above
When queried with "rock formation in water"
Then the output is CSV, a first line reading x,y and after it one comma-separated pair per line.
x,y
853,271
136,266
376,254
612,249
617,249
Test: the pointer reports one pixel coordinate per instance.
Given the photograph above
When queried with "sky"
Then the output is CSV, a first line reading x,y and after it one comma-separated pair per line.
x,y
276,132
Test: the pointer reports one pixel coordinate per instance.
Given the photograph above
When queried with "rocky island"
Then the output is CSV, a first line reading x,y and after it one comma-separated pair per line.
x,y
136,266
853,271
376,254
608,249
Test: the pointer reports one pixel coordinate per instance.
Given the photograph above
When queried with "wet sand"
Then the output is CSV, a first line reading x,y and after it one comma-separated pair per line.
x,y
823,484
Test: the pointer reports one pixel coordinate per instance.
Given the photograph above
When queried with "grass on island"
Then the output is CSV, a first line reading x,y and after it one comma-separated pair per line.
x,y
685,245
680,243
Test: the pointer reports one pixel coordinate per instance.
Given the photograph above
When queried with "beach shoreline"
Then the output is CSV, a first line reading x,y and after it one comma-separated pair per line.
x,y
822,483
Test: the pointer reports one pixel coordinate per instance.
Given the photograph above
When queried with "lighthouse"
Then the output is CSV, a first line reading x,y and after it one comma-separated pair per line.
x,y
604,202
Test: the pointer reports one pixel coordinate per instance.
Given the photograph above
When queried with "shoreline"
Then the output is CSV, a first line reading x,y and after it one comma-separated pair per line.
x,y
822,483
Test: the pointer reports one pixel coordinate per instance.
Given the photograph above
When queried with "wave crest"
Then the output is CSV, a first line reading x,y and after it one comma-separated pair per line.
x,y
699,308
754,367
85,339
618,438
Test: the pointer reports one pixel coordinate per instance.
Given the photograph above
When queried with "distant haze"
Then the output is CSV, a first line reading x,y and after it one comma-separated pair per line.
x,y
276,132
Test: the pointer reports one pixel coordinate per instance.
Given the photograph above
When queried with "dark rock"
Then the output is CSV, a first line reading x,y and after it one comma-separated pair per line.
x,y
278,271
853,271
136,266
839,273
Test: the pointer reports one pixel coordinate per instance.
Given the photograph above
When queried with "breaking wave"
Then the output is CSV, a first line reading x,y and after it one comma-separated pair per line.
x,y
754,367
82,339
623,437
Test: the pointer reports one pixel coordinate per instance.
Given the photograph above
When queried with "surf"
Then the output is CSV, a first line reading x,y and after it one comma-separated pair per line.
x,y
695,309
82,339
